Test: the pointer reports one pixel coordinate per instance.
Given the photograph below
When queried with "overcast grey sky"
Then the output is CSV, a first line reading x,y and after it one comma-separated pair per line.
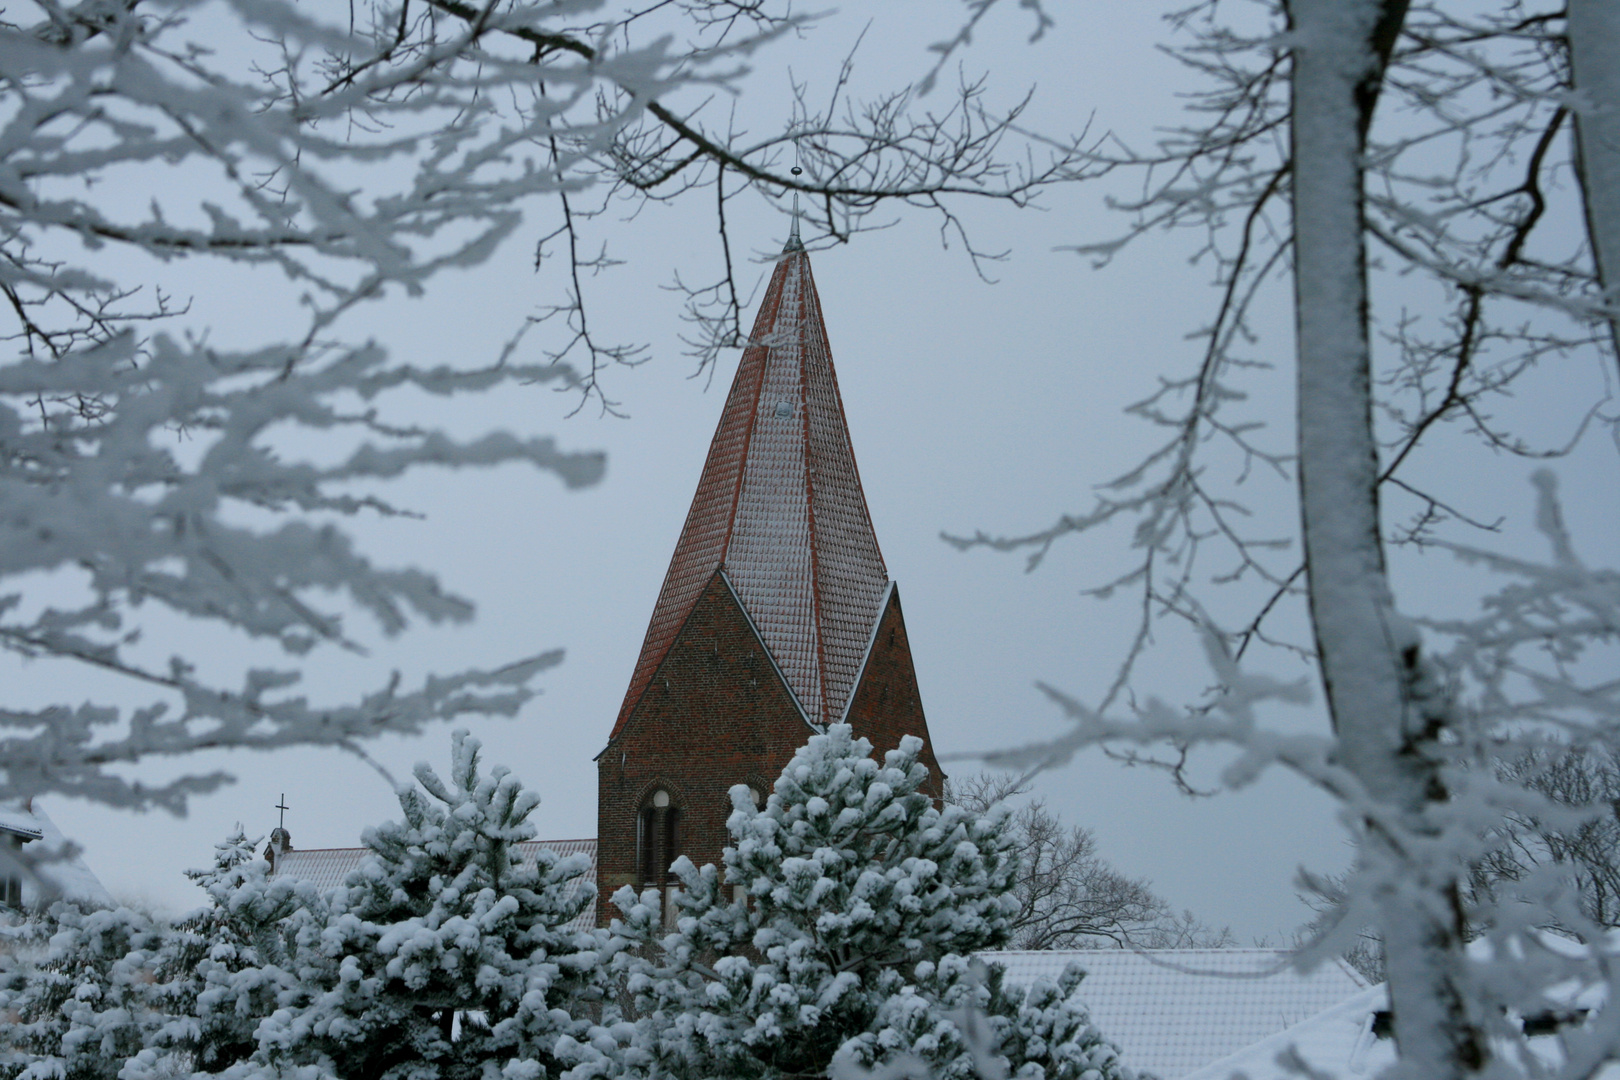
x,y
971,405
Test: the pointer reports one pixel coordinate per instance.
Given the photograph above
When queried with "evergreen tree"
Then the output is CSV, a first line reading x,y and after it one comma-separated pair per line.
x,y
246,960
84,992
443,919
841,936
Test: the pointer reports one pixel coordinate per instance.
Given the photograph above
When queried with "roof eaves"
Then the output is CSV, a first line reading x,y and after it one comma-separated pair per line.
x,y
780,674
748,434
20,821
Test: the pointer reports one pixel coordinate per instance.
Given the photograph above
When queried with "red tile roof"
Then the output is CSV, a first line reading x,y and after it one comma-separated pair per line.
x,y
780,510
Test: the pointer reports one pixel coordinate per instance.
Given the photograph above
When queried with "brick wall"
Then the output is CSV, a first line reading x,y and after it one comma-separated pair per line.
x,y
886,704
716,714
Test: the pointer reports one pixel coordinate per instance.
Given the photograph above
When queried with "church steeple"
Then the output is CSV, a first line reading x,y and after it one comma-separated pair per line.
x,y
780,511
777,615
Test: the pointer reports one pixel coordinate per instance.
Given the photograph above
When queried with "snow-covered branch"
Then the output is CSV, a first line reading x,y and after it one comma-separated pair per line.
x,y
346,154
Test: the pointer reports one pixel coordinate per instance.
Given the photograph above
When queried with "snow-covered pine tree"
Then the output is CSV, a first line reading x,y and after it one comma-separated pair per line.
x,y
841,935
243,949
82,992
1046,1032
444,918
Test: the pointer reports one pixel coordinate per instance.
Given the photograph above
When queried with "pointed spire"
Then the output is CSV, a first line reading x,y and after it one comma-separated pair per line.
x,y
779,510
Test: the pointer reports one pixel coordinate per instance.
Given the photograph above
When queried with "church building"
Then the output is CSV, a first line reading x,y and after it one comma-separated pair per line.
x,y
777,617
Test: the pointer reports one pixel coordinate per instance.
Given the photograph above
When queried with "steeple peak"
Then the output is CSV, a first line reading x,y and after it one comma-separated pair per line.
x,y
779,512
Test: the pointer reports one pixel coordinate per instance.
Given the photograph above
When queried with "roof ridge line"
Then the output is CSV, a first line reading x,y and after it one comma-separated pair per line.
x,y
866,656
843,424
766,649
810,509
748,435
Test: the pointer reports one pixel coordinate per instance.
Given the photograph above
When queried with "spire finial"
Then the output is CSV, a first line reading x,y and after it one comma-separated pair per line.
x,y
794,243
283,807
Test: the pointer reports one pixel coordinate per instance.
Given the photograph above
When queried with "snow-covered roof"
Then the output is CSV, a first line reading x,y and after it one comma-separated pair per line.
x,y
20,824
51,874
1172,1011
780,510
1339,1041
328,867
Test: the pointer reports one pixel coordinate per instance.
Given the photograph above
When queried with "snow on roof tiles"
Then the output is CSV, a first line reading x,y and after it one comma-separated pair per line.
x,y
1339,1041
19,823
1173,1011
780,509
327,868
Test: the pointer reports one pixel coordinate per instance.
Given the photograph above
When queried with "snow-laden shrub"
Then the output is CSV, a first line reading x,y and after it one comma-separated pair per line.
x,y
443,956
247,953
840,935
81,992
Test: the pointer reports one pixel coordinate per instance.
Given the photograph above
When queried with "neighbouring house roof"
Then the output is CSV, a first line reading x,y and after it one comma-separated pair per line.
x,y
328,867
50,873
20,824
1339,1041
779,509
1173,1011
1342,1042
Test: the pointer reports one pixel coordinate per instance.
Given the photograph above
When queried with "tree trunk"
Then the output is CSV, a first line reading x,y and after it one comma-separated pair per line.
x,y
1367,653
1594,54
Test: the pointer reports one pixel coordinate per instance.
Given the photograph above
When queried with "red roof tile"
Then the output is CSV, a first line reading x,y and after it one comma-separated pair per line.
x,y
779,508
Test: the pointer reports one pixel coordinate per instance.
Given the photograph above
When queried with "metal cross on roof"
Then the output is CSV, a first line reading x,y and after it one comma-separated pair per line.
x,y
283,807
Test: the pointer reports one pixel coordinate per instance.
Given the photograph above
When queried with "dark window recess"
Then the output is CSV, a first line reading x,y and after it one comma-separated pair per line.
x,y
11,884
645,831
658,839
672,837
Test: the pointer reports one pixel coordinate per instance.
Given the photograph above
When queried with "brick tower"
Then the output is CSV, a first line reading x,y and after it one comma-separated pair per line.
x,y
777,615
